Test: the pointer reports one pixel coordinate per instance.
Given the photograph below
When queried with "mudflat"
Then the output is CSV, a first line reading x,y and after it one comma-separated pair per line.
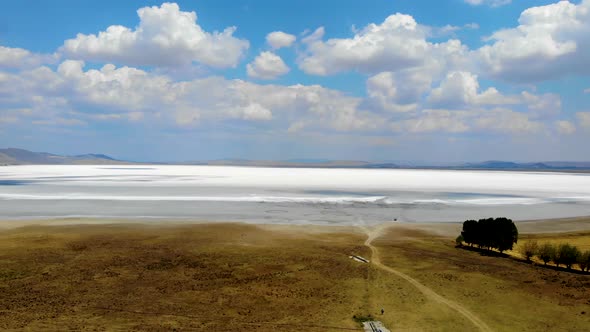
x,y
62,274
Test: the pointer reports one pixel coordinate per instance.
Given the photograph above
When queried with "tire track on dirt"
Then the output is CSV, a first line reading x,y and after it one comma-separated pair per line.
x,y
374,233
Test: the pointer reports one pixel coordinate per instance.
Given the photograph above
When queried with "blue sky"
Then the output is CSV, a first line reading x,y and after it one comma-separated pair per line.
x,y
457,80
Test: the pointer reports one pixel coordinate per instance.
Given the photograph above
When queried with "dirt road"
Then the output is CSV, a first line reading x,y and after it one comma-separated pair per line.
x,y
372,234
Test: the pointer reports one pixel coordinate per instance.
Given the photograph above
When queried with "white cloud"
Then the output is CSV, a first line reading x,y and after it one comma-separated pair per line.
x,y
396,44
565,127
461,90
451,29
256,112
542,106
129,94
279,39
268,66
583,119
587,91
434,120
550,41
457,105
399,91
457,89
499,120
506,120
406,101
20,58
165,36
492,3
131,116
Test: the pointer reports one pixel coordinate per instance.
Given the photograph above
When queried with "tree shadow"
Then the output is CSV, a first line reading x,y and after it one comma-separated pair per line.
x,y
483,251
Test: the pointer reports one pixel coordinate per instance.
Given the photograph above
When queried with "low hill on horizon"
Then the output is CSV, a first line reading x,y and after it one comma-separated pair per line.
x,y
15,156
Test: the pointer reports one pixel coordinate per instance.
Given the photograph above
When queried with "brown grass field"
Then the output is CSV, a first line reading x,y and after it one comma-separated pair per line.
x,y
239,277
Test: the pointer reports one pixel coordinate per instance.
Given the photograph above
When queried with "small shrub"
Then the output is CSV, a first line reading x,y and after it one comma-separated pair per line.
x,y
546,252
584,261
568,254
529,249
459,240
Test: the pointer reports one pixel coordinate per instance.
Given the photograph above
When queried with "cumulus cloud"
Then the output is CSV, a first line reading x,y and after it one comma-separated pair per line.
x,y
506,120
20,58
396,44
583,119
549,42
451,29
268,66
565,127
256,112
491,3
456,104
457,89
72,94
165,36
461,90
279,39
497,120
397,91
542,106
419,103
407,100
434,120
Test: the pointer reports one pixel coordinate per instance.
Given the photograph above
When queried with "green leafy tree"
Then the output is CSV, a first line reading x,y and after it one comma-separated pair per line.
x,y
529,249
568,254
546,252
584,260
556,256
490,233
486,233
505,234
469,232
459,240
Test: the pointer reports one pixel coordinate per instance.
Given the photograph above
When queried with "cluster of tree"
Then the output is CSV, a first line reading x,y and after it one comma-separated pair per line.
x,y
564,253
490,233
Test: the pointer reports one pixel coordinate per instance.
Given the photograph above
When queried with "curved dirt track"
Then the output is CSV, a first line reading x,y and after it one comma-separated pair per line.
x,y
429,293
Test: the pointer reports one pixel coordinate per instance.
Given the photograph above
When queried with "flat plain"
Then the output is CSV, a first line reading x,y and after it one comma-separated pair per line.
x,y
240,277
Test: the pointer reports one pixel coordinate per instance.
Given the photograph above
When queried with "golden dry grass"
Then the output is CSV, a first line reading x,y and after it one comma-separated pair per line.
x,y
507,294
204,277
579,239
237,277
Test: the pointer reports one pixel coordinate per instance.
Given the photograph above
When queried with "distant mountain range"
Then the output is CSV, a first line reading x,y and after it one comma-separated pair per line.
x,y
12,156
489,165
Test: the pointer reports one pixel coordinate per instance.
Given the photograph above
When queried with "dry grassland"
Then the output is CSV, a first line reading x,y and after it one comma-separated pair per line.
x,y
237,277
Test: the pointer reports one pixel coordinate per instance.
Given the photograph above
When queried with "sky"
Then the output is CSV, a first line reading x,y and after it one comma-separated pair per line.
x,y
375,80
